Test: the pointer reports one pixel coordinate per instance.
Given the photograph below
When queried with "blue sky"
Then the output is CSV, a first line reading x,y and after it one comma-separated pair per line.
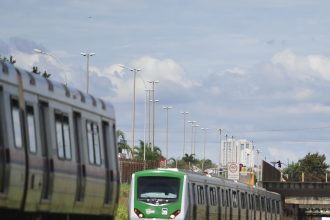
x,y
258,69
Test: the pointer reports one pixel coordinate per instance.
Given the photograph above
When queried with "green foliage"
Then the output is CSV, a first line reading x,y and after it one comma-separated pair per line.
x,y
122,142
122,211
151,154
313,166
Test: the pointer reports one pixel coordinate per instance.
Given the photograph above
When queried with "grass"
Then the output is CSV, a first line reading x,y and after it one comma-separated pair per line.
x,y
122,212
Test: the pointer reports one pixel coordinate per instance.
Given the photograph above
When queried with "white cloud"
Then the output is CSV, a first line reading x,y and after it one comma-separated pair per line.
x,y
167,71
303,67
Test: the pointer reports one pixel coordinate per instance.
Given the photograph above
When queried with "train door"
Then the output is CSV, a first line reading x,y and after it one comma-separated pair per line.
x,y
193,207
114,164
268,209
224,204
273,209
258,211
81,167
48,163
263,208
213,203
3,150
244,211
201,203
108,170
207,203
219,202
35,157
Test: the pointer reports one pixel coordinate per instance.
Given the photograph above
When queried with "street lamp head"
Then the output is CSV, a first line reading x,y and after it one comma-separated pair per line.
x,y
167,107
87,54
131,69
37,50
185,113
153,81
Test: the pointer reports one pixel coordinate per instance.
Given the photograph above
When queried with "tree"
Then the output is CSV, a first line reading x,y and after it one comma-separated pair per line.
x,y
151,153
313,166
122,143
189,159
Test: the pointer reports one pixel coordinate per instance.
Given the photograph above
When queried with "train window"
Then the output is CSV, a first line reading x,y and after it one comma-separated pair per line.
x,y
253,202
268,204
16,124
213,196
262,203
218,196
31,129
243,200
63,136
277,206
273,206
158,190
257,202
93,143
200,195
223,198
234,199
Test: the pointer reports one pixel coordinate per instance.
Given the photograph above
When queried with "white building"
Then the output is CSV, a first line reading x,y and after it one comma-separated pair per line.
x,y
238,151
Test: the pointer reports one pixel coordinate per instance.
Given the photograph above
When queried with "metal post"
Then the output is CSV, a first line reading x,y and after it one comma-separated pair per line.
x,y
192,135
184,131
220,146
153,112
166,108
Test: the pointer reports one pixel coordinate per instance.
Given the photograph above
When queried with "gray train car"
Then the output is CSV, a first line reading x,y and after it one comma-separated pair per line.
x,y
58,153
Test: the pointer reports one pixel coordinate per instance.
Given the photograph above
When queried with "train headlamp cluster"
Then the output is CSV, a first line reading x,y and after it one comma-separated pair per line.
x,y
174,214
138,213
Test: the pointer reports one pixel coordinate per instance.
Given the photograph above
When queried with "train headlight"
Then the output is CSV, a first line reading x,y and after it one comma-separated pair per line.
x,y
138,213
174,214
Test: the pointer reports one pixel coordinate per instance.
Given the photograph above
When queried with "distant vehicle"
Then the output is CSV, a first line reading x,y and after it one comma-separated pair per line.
x,y
58,153
172,194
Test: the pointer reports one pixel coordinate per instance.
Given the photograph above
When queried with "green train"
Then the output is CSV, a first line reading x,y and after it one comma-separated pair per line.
x,y
173,194
58,152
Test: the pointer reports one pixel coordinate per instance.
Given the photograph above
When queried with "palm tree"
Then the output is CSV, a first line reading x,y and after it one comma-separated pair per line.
x,y
122,143
189,159
155,154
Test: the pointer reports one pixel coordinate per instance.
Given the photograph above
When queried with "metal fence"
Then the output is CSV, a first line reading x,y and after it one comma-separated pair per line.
x,y
128,167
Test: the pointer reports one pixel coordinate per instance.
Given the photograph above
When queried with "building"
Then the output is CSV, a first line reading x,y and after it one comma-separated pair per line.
x,y
238,151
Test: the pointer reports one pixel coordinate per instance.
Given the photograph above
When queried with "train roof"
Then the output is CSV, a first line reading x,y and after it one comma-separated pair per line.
x,y
50,89
204,178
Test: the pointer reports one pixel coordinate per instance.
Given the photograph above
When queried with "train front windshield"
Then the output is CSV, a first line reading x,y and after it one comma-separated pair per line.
x,y
157,189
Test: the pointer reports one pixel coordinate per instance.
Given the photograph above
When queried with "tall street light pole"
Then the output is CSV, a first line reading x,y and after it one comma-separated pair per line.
x,y
220,130
149,113
57,59
167,108
205,131
144,124
192,135
134,70
184,131
153,82
194,131
87,55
